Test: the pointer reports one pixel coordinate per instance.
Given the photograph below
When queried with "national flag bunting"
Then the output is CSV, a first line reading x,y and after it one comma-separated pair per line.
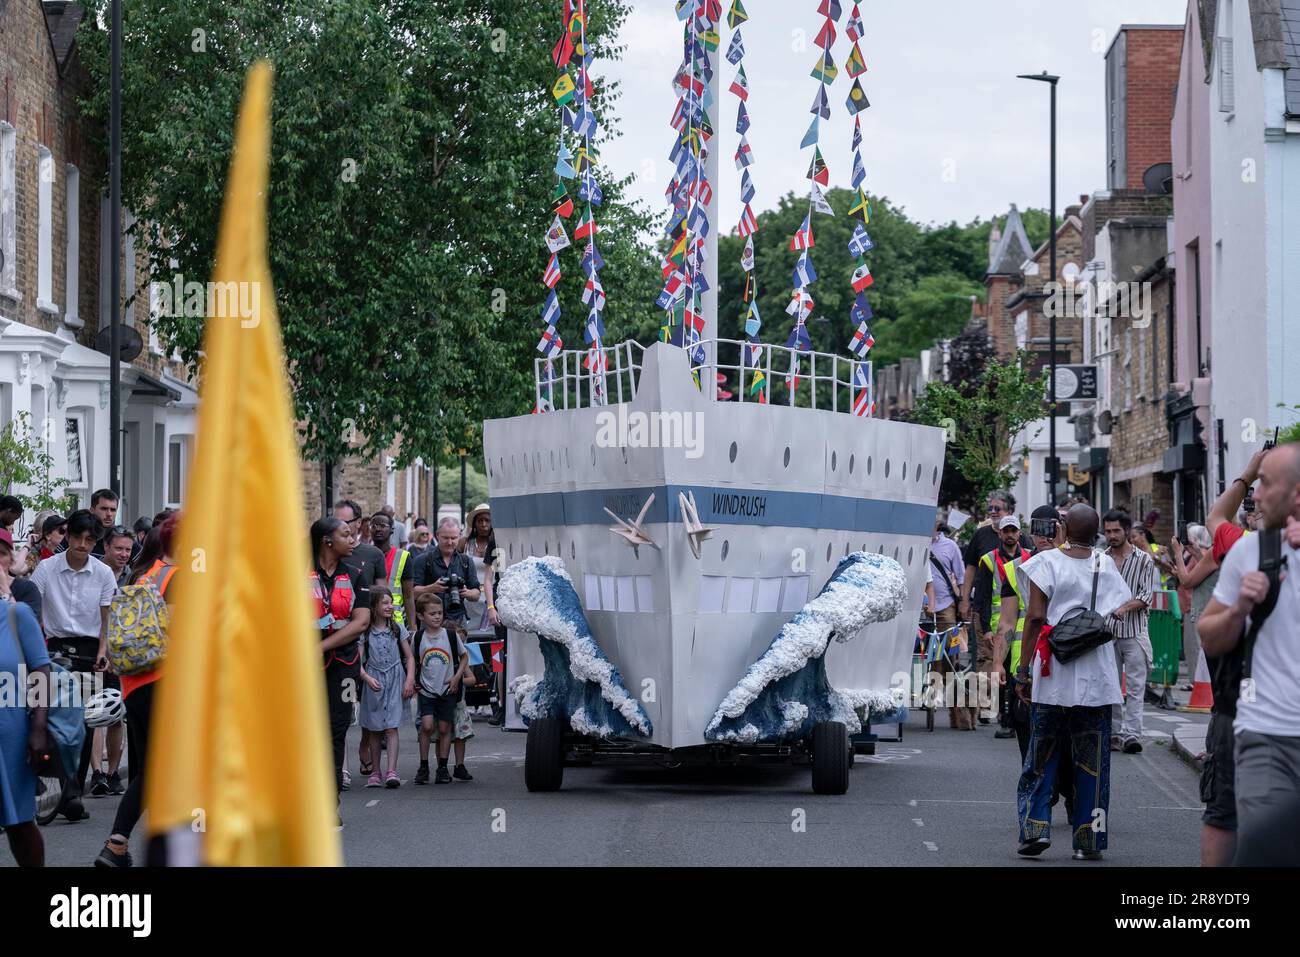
x,y
552,274
803,237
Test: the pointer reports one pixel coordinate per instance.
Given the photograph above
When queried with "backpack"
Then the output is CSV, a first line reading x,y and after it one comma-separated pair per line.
x,y
1227,672
137,628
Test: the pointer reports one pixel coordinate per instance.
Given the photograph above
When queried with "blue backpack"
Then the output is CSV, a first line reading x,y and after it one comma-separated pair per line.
x,y
65,718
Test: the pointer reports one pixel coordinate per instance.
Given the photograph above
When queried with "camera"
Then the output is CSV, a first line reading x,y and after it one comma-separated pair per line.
x,y
1272,443
1043,528
453,585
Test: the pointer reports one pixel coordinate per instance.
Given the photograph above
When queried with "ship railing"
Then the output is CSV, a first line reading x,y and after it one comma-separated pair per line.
x,y
764,373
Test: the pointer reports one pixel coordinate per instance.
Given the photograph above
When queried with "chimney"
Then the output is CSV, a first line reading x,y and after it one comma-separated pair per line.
x,y
995,237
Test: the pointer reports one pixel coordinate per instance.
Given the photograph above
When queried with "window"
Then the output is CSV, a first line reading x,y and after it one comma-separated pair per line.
x,y
176,467
1227,80
8,214
71,255
74,430
1142,362
45,231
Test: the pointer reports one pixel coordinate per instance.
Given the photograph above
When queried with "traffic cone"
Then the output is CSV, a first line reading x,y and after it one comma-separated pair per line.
x,y
1202,697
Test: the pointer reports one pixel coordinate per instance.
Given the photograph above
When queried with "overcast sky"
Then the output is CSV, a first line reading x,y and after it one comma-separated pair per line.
x,y
951,133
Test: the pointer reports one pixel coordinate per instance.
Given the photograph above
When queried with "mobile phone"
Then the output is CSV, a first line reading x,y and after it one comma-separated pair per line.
x,y
1272,443
1043,527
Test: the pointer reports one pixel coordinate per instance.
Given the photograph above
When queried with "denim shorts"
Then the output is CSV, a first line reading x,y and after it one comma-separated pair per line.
x,y
440,707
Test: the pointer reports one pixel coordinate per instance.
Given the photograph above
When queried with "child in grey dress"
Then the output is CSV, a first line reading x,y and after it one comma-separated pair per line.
x,y
388,675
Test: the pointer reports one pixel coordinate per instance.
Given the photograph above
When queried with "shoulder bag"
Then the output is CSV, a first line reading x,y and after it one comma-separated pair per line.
x,y
1081,630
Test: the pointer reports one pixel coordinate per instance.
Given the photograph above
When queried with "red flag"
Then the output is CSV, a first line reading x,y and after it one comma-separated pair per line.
x,y
497,665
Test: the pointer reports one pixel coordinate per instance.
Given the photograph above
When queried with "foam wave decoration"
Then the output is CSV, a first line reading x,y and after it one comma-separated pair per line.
x,y
579,682
786,692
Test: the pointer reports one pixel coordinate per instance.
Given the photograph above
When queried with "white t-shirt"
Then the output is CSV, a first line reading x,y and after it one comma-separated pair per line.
x,y
1275,664
71,600
1092,679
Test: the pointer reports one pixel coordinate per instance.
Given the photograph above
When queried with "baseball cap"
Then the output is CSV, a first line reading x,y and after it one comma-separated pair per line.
x,y
1009,521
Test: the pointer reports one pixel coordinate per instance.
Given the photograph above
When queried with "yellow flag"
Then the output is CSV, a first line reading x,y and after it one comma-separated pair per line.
x,y
240,755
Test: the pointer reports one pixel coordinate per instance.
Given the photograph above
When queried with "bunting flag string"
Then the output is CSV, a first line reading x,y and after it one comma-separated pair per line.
x,y
748,225
690,192
860,242
801,301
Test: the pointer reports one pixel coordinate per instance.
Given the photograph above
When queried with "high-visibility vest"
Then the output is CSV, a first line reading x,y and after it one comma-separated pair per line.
x,y
1004,571
395,570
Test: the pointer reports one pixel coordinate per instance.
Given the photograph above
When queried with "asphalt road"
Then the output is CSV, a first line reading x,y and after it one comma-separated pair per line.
x,y
935,799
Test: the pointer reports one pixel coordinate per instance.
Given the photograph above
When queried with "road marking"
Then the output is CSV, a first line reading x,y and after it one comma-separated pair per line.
x,y
372,803
911,804
918,822
941,801
930,845
1164,808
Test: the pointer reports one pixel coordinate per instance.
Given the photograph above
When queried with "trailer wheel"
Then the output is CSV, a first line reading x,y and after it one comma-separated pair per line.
x,y
830,757
544,755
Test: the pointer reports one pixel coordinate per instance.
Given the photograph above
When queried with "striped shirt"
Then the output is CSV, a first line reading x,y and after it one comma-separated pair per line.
x,y
1139,573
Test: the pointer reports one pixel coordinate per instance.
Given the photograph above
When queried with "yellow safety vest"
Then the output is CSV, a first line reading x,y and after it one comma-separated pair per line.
x,y
993,562
397,565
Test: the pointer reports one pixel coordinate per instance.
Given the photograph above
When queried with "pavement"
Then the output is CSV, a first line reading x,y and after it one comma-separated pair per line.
x,y
936,798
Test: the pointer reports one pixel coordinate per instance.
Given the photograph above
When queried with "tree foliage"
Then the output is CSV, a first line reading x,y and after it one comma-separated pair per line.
x,y
413,147
25,461
981,417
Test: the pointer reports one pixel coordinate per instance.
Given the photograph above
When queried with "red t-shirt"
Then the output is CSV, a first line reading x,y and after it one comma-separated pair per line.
x,y
1227,535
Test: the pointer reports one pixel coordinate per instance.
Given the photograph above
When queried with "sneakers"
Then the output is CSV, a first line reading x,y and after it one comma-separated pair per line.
x,y
391,780
99,784
1132,746
374,781
1004,733
1033,847
347,779
115,785
1081,855
1115,743
422,775
462,773
443,776
113,854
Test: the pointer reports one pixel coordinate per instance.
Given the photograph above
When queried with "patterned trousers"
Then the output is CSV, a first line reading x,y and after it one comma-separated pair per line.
x,y
1088,732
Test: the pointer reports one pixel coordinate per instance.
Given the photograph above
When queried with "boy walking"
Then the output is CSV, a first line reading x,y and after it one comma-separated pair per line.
x,y
443,662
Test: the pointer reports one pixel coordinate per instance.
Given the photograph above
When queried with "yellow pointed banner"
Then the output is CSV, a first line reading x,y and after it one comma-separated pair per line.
x,y
240,759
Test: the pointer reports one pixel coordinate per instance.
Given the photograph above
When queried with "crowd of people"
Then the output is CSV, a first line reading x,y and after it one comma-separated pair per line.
x,y
403,619
1059,624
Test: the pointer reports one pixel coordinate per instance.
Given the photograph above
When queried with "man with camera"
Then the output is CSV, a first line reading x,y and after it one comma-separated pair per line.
x,y
1068,677
1248,631
447,573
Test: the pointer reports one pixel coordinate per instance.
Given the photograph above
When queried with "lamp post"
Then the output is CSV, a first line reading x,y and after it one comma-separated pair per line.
x,y
1053,465
115,249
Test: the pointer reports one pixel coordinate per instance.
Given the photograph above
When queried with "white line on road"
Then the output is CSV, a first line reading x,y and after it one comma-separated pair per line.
x,y
930,845
941,801
911,804
918,822
372,803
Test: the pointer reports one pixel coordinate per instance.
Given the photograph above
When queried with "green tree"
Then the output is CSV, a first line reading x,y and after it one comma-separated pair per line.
x,y
411,179
25,461
981,418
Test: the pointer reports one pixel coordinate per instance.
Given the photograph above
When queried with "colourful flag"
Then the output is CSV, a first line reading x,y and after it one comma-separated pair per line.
x,y
747,257
830,8
826,36
747,190
810,138
853,28
736,15
563,203
863,404
826,70
804,273
861,277
799,339
753,321
736,50
857,133
859,171
860,242
748,224
820,203
586,225
861,208
593,293
856,66
817,170
552,274
862,341
740,85
263,799
551,309
551,344
563,168
556,237
563,89
857,101
562,52
744,156
742,118
821,105
861,311
803,237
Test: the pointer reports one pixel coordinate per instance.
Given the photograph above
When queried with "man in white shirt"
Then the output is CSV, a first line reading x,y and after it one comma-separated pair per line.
x,y
1267,726
1068,699
76,591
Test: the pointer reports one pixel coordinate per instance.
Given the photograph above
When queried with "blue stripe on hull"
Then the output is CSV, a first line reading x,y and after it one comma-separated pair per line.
x,y
717,506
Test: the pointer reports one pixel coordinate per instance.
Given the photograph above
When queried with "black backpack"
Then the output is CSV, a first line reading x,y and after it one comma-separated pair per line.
x,y
1227,672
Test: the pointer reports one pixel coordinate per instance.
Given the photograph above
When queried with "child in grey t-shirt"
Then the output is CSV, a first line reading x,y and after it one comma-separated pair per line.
x,y
442,662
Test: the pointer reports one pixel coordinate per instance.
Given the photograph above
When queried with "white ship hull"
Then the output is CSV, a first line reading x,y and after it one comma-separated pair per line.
x,y
788,491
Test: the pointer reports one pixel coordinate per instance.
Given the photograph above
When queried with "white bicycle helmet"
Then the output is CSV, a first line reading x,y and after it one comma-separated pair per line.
x,y
105,708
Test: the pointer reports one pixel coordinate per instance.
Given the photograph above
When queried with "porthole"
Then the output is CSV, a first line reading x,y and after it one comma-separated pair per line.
x,y
918,472
851,460
864,546
573,550
909,556
503,463
537,461
895,553
733,451
546,548
625,455
881,550
726,547
787,456
489,468
886,468
566,458
935,479
868,464
512,551
593,454
834,461
902,476
530,551
846,549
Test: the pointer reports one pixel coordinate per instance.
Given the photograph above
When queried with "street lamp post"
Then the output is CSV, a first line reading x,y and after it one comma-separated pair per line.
x,y
115,249
1053,465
